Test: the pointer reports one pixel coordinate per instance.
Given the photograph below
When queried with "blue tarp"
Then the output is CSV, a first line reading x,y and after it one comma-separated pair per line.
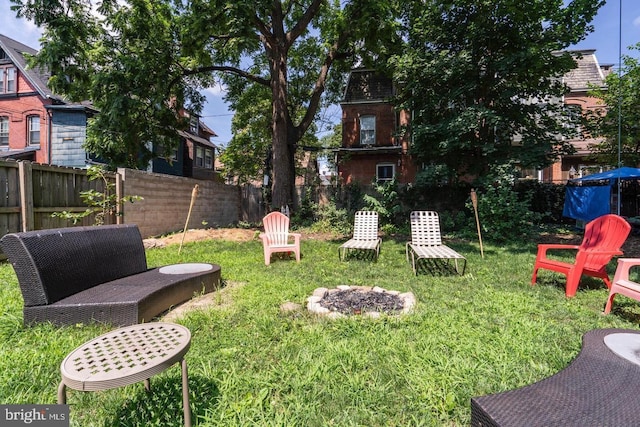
x,y
622,173
586,202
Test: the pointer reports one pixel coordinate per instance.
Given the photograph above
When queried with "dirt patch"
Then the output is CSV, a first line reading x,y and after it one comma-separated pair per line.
x,y
228,234
195,235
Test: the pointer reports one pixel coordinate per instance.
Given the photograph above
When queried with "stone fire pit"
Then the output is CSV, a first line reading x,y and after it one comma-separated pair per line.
x,y
365,300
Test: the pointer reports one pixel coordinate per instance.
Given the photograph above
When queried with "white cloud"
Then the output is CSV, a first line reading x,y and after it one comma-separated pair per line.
x,y
216,90
20,30
636,22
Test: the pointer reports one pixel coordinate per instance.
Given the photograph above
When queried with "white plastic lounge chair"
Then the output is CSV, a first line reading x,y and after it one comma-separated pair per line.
x,y
365,235
426,242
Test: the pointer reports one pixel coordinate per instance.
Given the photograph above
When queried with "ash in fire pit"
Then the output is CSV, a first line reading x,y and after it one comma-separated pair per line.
x,y
371,301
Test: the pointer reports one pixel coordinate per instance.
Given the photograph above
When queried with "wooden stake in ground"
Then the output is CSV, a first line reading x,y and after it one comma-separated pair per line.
x,y
194,193
474,202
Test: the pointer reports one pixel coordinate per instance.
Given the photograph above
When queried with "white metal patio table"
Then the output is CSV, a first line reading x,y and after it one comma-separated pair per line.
x,y
126,356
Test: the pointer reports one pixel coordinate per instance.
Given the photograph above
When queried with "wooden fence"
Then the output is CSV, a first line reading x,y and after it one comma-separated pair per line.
x,y
31,192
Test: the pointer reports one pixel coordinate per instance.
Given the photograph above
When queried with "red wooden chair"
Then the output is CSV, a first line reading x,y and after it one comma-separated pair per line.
x,y
276,236
603,238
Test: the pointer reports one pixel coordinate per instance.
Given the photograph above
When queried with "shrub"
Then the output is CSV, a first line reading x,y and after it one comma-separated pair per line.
x,y
385,201
505,214
102,204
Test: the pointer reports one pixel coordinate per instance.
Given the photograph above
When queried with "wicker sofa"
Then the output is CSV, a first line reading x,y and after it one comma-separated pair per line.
x,y
98,274
598,388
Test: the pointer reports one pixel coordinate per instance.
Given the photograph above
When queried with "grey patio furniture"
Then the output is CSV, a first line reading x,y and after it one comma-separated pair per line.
x,y
598,388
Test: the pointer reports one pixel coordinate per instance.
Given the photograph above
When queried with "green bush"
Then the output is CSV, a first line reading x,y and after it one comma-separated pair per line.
x,y
504,214
330,218
385,201
547,199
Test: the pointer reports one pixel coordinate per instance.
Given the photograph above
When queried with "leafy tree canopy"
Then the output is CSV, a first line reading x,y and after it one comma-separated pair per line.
x,y
482,79
621,117
132,57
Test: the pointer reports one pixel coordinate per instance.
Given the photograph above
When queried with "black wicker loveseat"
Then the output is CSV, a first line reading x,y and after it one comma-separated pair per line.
x,y
598,388
98,274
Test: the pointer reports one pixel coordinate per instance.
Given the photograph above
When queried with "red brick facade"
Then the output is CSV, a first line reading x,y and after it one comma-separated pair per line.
x,y
361,160
369,94
18,107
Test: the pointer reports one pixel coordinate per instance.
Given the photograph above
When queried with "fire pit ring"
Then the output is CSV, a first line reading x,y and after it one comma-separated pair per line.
x,y
368,301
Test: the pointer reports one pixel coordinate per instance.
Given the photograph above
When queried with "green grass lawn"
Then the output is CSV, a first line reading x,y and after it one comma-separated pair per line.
x,y
252,364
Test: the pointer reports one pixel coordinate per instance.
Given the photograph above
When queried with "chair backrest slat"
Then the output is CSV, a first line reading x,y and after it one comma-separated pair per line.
x,y
425,228
365,226
607,232
276,227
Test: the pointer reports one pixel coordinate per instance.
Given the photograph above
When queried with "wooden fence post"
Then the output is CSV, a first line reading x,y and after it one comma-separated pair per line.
x,y
25,175
119,197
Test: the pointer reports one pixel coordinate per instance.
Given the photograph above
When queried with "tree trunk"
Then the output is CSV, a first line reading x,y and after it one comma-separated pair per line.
x,y
283,143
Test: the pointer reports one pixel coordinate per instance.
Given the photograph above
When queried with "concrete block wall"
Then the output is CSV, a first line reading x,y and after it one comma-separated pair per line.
x,y
165,206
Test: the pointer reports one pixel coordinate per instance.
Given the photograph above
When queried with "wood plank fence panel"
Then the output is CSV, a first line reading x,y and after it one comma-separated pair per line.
x,y
9,200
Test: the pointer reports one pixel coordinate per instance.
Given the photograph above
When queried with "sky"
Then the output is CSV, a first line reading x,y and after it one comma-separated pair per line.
x,y
614,31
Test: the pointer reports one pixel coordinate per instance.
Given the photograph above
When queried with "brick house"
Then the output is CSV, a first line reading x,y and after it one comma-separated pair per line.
x,y
35,124
40,126
588,72
371,149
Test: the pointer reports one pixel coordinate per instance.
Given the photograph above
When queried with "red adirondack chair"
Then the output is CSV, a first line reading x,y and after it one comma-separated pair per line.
x,y
603,238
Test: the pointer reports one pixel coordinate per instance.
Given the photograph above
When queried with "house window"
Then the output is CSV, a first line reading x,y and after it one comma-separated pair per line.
x,y
385,171
7,79
4,131
199,156
574,120
367,130
33,130
193,125
208,158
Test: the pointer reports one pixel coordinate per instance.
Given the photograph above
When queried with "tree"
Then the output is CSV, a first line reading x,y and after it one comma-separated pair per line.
x,y
620,100
482,79
135,55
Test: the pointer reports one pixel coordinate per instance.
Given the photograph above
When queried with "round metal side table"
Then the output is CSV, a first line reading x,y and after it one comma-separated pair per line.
x,y
126,356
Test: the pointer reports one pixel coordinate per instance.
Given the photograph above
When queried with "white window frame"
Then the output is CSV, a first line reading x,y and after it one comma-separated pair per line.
x,y
385,165
199,156
194,125
33,130
574,113
4,131
368,130
208,158
8,79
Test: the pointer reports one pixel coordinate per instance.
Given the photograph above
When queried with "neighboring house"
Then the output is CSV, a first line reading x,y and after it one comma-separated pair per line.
x,y
37,125
195,156
371,149
589,72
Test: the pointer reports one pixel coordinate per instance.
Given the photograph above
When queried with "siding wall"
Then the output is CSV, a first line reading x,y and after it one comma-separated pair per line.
x,y
68,134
